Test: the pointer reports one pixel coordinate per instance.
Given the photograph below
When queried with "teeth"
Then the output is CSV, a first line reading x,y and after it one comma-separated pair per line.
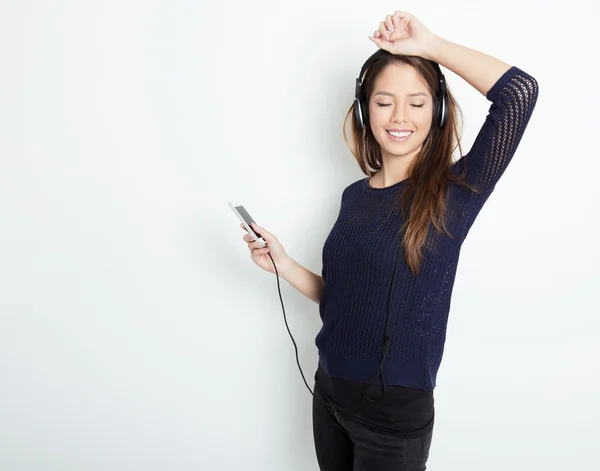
x,y
400,134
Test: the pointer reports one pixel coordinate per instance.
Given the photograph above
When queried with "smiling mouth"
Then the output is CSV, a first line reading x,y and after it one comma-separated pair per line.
x,y
399,137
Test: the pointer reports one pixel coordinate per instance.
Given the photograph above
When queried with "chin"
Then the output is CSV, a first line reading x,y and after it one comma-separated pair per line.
x,y
400,150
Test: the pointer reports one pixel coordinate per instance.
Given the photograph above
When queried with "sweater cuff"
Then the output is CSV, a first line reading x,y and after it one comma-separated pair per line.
x,y
493,92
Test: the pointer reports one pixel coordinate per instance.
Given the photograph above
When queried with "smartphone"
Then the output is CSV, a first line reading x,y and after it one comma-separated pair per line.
x,y
246,219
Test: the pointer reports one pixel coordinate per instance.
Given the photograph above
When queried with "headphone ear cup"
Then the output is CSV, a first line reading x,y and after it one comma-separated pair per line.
x,y
364,113
443,102
443,110
436,112
357,117
360,114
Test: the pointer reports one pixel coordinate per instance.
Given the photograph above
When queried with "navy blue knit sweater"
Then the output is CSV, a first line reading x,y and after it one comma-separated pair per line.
x,y
359,258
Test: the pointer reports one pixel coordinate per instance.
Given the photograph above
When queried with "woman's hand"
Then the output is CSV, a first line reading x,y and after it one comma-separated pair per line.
x,y
259,254
402,33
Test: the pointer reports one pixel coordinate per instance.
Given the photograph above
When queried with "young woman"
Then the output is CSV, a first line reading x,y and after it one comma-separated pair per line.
x,y
390,260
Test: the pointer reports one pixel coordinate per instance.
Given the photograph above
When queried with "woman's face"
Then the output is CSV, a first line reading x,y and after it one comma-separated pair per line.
x,y
400,101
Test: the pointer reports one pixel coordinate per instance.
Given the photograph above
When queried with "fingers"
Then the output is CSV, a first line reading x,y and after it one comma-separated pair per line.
x,y
258,250
383,32
256,228
249,238
262,232
398,15
389,29
379,41
389,23
253,244
401,17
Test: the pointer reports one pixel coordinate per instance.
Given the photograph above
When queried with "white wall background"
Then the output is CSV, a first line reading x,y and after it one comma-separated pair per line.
x,y
135,331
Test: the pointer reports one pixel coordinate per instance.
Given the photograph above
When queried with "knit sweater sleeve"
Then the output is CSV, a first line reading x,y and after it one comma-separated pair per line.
x,y
513,98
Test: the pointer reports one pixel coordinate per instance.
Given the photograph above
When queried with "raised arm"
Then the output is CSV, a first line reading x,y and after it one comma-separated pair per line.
x,y
513,94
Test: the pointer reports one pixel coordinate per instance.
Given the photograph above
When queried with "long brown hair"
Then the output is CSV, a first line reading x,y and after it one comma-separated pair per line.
x,y
430,168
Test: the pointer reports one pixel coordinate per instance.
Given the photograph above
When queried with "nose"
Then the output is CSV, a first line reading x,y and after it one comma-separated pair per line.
x,y
399,114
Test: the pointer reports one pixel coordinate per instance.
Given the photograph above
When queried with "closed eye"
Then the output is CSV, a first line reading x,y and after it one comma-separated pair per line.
x,y
387,104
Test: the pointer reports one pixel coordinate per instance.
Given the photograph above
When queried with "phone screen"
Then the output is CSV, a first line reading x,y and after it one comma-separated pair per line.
x,y
247,217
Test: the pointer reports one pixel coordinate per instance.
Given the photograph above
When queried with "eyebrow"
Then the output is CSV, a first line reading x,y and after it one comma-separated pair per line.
x,y
410,94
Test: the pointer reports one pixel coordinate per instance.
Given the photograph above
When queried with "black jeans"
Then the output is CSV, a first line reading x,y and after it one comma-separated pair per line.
x,y
341,444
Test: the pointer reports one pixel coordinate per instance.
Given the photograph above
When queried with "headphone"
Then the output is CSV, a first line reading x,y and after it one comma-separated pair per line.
x,y
362,119
361,108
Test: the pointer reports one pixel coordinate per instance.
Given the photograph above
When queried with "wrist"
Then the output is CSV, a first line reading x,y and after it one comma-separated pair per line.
x,y
433,46
287,266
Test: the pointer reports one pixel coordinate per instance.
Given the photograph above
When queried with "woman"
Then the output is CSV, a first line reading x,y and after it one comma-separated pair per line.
x,y
406,220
